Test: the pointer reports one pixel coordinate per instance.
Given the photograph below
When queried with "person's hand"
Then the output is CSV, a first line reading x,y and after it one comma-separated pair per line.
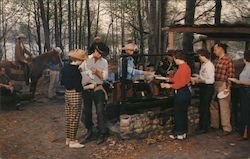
x,y
165,85
234,80
226,91
147,73
194,80
11,88
167,79
94,70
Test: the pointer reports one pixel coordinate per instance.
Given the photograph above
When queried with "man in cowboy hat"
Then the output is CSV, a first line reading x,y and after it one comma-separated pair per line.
x,y
20,52
98,41
96,71
131,71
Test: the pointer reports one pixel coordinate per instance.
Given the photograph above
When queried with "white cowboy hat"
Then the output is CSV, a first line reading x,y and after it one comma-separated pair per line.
x,y
129,46
78,54
58,49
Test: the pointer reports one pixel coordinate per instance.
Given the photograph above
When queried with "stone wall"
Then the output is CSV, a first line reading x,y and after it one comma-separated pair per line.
x,y
154,121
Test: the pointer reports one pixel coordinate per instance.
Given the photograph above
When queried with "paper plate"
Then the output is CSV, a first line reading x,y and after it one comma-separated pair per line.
x,y
160,78
222,95
195,75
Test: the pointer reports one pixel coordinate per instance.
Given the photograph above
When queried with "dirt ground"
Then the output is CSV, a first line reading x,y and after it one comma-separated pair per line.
x,y
37,132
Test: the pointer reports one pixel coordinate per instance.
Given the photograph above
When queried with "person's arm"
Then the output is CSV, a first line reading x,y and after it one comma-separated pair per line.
x,y
132,71
103,75
246,83
27,51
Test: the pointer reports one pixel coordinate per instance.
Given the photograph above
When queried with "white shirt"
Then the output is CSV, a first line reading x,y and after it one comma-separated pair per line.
x,y
87,76
207,72
245,74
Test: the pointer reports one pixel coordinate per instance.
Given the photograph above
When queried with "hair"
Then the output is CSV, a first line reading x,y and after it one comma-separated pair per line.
x,y
247,55
223,46
204,52
179,54
171,52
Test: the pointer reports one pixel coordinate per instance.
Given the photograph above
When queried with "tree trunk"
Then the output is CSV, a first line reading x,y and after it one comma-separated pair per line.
x,y
76,24
80,42
73,23
153,25
217,16
163,24
45,25
89,23
189,20
60,23
97,18
140,26
122,25
57,36
38,27
69,24
189,37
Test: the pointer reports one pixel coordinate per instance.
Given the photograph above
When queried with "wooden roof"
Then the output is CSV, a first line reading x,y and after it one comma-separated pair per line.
x,y
237,32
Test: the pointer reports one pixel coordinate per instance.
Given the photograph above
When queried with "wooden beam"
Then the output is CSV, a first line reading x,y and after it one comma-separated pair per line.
x,y
214,29
170,40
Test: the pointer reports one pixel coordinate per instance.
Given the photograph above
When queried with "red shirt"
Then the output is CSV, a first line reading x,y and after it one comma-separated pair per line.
x,y
224,69
182,77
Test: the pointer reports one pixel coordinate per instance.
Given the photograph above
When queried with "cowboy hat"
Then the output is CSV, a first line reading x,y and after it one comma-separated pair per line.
x,y
102,49
21,35
58,49
129,46
97,38
78,54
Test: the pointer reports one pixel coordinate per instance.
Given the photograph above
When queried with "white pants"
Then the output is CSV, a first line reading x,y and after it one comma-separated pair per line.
x,y
53,82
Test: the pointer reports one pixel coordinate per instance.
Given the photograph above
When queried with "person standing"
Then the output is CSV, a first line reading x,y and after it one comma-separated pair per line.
x,y
20,58
224,69
130,71
96,71
244,82
205,81
71,79
54,71
182,95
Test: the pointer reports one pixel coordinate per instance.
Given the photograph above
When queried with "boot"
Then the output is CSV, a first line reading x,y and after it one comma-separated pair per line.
x,y
88,135
100,139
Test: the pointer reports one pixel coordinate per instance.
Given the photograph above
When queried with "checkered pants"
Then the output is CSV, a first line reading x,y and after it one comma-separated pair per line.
x,y
73,103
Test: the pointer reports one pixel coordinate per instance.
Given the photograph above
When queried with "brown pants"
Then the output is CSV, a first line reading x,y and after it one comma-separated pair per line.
x,y
224,107
73,104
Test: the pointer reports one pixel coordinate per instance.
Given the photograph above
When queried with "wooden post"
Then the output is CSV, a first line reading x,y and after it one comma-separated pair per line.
x,y
170,40
247,45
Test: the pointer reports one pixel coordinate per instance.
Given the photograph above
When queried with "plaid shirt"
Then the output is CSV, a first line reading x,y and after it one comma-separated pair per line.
x,y
224,69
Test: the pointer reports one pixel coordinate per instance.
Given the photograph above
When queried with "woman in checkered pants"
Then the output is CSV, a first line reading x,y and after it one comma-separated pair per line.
x,y
71,79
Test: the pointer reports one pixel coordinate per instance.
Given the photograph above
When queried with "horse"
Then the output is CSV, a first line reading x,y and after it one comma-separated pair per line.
x,y
36,67
39,64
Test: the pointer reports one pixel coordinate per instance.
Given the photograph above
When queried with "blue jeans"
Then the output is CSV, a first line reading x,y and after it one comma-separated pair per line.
x,y
182,99
206,93
99,100
245,109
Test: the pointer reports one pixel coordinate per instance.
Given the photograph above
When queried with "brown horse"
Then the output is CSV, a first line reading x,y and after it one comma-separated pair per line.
x,y
36,67
40,63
